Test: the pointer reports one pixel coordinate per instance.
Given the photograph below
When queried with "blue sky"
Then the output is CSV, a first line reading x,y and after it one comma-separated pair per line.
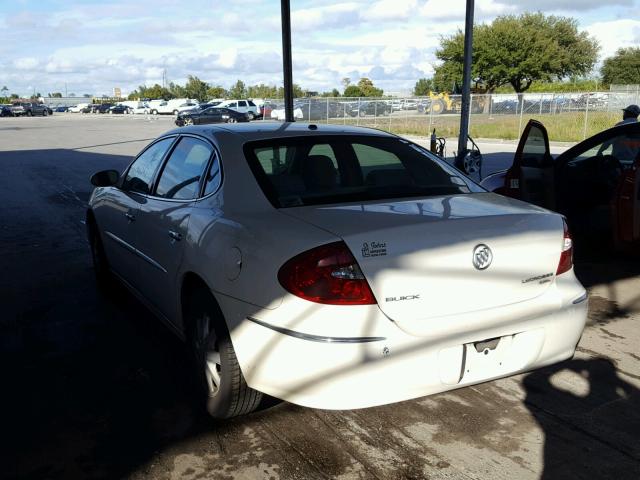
x,y
93,46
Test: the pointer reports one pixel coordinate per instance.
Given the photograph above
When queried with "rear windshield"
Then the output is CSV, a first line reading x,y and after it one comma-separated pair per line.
x,y
333,169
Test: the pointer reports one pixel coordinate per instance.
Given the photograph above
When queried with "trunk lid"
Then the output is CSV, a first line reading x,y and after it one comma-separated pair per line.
x,y
418,255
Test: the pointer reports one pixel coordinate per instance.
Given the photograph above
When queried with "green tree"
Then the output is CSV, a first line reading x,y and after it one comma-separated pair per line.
x,y
216,92
368,89
333,93
196,88
298,92
238,90
518,50
155,92
623,67
262,91
353,91
423,87
14,96
176,91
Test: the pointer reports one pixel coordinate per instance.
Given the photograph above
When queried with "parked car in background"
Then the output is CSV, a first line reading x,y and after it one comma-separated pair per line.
x,y
595,184
61,108
210,115
101,107
5,111
29,109
329,259
120,109
141,109
242,106
78,108
373,107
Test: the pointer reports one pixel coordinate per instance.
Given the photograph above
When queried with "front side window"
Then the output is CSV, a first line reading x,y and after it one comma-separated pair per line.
x,y
140,174
335,169
180,177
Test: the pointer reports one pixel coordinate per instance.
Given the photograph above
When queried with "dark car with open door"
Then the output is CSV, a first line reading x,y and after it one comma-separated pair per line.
x,y
595,184
210,115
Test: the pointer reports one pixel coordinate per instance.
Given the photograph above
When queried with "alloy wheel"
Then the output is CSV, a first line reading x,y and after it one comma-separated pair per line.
x,y
208,353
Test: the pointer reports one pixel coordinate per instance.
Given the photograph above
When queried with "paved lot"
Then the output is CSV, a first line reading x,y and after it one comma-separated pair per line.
x,y
95,387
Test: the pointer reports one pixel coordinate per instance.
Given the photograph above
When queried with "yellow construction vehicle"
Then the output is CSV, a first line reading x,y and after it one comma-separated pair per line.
x,y
443,103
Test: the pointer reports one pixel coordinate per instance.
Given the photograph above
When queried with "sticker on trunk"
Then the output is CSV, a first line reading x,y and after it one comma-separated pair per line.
x,y
374,249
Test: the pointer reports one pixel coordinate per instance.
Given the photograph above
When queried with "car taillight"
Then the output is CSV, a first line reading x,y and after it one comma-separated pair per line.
x,y
566,257
327,274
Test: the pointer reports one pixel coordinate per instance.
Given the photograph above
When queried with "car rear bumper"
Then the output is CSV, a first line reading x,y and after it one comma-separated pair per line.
x,y
384,364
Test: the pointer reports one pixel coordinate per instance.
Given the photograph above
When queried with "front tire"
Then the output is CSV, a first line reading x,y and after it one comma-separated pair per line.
x,y
251,115
187,121
231,120
218,373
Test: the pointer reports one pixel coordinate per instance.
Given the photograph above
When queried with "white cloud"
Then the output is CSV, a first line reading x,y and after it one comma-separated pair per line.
x,y
615,34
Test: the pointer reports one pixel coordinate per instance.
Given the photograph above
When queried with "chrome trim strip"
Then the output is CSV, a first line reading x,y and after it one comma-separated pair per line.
x,y
135,251
580,299
121,242
151,261
317,338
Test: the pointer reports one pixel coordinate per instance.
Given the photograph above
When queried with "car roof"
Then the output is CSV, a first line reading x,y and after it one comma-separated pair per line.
x,y
263,130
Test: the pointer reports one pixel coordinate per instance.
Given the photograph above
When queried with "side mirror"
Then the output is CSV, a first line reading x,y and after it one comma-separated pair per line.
x,y
105,178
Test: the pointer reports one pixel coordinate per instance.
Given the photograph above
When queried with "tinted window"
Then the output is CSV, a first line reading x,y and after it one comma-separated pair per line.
x,y
180,177
534,152
323,170
242,103
213,177
233,104
251,104
140,175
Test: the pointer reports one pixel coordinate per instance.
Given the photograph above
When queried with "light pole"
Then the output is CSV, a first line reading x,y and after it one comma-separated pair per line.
x,y
466,86
287,69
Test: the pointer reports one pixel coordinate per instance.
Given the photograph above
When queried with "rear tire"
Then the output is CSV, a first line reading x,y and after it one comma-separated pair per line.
x,y
231,120
218,373
251,116
154,112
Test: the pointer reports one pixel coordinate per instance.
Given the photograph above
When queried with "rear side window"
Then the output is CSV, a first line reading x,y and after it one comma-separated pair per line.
x,y
142,170
251,104
340,168
180,177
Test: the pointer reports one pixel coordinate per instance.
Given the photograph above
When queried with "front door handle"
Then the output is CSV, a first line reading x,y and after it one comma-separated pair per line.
x,y
177,236
130,217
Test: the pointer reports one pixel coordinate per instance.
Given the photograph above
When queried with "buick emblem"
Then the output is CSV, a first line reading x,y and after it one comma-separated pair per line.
x,y
482,256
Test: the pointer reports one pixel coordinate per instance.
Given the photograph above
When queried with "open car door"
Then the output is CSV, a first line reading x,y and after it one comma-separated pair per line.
x,y
532,177
626,208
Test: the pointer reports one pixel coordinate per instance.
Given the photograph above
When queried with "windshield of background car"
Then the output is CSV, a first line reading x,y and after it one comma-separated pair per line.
x,y
334,169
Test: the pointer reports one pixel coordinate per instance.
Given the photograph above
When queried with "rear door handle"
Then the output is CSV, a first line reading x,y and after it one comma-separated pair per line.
x,y
177,236
130,217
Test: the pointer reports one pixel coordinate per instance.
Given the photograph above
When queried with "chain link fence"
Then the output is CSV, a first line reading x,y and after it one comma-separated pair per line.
x,y
568,117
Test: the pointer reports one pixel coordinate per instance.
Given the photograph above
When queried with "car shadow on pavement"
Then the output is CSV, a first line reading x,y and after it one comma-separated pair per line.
x,y
589,418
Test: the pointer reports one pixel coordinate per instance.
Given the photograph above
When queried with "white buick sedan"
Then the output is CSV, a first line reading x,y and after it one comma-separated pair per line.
x,y
333,267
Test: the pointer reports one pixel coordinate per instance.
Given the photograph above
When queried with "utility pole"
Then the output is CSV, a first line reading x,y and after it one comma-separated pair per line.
x,y
65,90
466,86
287,69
